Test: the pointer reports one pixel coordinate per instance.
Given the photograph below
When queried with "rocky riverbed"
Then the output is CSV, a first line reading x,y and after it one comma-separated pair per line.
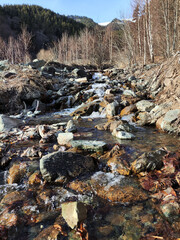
x,y
80,157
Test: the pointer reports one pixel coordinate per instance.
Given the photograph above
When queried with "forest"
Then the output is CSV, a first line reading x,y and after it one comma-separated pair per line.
x,y
152,35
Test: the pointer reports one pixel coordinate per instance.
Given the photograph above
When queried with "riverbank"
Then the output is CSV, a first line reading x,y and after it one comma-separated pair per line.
x,y
80,157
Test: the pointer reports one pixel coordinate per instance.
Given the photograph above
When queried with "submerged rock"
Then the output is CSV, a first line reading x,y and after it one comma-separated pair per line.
x,y
116,188
16,172
63,165
94,146
74,213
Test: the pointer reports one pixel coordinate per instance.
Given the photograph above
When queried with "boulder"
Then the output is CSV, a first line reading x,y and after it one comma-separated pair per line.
x,y
145,106
74,213
94,146
64,165
148,161
170,117
7,123
64,138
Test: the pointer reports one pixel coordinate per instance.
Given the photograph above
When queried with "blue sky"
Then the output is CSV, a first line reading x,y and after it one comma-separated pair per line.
x,y
98,10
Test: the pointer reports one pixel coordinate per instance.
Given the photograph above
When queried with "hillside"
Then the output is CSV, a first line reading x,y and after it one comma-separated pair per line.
x,y
88,22
44,24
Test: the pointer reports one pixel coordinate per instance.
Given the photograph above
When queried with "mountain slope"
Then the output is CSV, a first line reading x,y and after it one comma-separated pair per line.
x,y
88,22
44,24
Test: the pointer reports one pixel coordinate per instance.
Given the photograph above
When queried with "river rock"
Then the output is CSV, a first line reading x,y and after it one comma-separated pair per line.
x,y
127,110
64,138
126,127
144,106
8,219
122,134
116,188
74,213
12,197
168,120
94,146
16,173
158,111
64,165
86,109
118,160
143,118
48,233
71,127
7,123
148,161
111,109
129,93
81,80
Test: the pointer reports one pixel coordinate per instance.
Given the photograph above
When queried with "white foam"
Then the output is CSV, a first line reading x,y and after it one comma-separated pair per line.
x,y
96,115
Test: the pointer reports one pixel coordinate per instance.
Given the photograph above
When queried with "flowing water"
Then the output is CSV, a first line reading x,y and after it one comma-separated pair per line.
x,y
106,220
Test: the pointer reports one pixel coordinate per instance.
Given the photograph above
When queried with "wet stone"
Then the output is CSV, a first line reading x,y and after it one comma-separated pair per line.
x,y
64,165
149,161
116,188
17,172
94,146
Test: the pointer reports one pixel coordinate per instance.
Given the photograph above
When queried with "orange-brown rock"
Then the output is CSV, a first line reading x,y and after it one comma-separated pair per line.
x,y
127,110
48,233
159,122
124,194
35,178
114,188
80,186
12,197
8,219
16,173
118,160
106,230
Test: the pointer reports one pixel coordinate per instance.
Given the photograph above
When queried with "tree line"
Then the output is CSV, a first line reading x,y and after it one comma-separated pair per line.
x,y
153,33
